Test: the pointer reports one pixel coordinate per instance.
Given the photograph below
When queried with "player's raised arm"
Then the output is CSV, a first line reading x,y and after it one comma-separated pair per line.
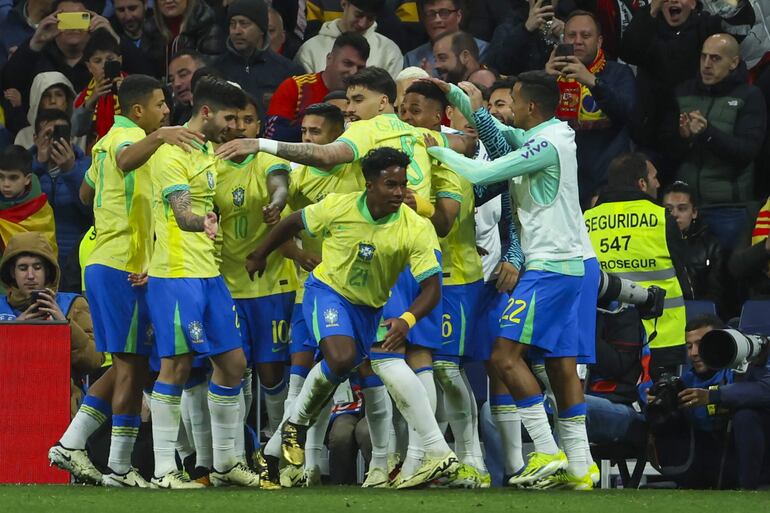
x,y
323,155
137,154
181,204
278,189
282,232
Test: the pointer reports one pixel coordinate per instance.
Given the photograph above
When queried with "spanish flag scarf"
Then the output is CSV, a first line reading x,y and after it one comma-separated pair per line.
x,y
31,213
576,104
761,229
105,110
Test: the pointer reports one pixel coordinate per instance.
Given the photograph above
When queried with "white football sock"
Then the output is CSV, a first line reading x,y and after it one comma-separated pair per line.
x,y
458,409
184,446
196,406
91,414
315,437
165,425
224,405
275,398
508,423
240,437
125,429
573,430
247,385
478,455
535,421
316,391
379,416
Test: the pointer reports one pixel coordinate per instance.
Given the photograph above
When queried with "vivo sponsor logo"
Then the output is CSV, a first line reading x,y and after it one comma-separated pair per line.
x,y
533,148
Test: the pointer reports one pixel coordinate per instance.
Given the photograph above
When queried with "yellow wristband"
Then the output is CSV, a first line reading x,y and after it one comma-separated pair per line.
x,y
424,207
409,318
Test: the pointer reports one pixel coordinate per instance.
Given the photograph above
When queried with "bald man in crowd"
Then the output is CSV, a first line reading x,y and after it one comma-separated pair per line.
x,y
722,123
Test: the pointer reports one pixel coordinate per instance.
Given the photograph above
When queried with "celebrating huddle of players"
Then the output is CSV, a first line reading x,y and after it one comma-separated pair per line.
x,y
350,254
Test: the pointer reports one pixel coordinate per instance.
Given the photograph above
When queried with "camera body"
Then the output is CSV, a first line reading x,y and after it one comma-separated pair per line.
x,y
665,406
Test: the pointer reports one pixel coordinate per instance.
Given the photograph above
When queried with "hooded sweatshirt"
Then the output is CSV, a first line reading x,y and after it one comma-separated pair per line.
x,y
84,357
42,82
383,53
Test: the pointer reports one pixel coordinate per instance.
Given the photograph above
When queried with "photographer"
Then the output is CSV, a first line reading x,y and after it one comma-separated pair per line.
x,y
30,273
711,399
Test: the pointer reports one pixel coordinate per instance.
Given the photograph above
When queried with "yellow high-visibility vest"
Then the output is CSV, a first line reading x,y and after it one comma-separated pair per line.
x,y
629,238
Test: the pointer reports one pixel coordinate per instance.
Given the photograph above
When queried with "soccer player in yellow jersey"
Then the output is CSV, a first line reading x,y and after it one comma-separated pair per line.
x,y
190,307
369,239
250,194
118,184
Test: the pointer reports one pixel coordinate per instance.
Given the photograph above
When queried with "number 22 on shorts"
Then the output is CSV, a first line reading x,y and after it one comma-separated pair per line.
x,y
512,311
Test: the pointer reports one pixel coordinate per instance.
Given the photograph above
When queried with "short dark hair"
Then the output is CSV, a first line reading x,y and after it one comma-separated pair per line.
x,y
46,115
458,4
682,188
353,40
429,90
137,89
101,41
196,56
205,71
540,88
382,158
627,169
250,100
580,12
705,321
368,6
217,94
88,5
375,79
339,94
461,41
503,83
16,158
329,112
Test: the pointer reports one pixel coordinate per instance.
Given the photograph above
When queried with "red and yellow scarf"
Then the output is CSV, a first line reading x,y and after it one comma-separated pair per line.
x,y
761,229
105,110
577,105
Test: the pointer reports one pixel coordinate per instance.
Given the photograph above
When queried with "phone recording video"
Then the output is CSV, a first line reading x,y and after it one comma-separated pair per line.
x,y
565,50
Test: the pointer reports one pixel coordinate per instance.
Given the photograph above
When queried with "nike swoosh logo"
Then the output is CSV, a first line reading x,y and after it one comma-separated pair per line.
x,y
277,349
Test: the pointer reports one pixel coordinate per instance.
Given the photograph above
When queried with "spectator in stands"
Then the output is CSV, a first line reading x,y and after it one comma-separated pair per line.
x,y
348,434
28,265
751,260
664,41
50,90
404,79
439,17
703,256
249,61
180,72
486,16
281,42
710,396
50,49
501,101
20,24
60,167
648,252
457,56
524,40
483,77
97,103
186,25
722,123
23,206
348,56
597,99
398,20
129,22
618,381
357,16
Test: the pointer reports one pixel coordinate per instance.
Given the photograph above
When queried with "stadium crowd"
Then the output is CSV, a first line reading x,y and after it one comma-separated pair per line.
x,y
278,227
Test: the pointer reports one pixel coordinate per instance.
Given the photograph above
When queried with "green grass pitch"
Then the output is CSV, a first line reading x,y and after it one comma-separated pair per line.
x,y
342,499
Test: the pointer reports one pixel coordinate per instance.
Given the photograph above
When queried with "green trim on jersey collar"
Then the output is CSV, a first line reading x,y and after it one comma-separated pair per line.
x,y
245,163
364,209
124,122
203,147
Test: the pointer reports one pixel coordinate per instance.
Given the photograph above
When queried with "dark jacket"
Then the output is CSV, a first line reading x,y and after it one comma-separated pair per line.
x,y
665,57
199,32
14,31
72,217
615,95
719,163
748,264
705,262
486,15
151,44
260,74
750,390
513,49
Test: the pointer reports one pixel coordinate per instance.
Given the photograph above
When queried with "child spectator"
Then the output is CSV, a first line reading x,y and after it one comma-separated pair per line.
x,y
23,206
97,104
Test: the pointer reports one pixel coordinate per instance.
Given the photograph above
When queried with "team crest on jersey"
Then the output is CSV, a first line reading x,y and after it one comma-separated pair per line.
x,y
149,335
195,330
239,195
210,179
365,251
331,317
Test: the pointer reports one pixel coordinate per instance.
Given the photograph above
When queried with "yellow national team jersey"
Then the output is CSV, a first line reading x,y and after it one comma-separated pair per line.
x,y
241,194
178,253
122,203
388,130
363,257
460,261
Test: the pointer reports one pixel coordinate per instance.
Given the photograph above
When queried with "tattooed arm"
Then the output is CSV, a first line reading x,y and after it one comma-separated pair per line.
x,y
317,155
181,204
